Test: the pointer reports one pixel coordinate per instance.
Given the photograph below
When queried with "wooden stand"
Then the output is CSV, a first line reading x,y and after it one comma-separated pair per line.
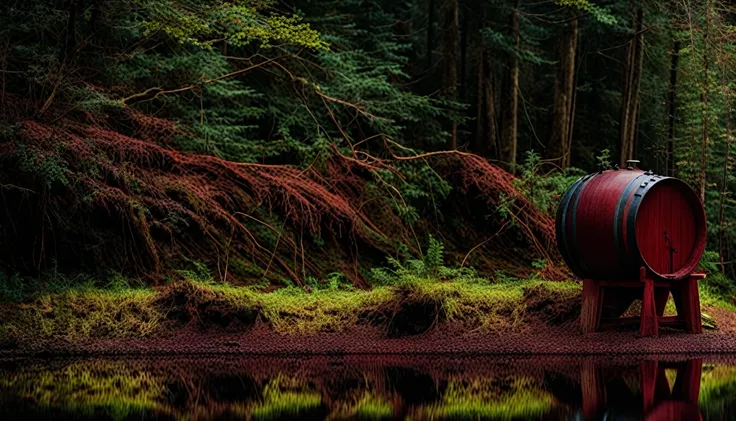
x,y
605,301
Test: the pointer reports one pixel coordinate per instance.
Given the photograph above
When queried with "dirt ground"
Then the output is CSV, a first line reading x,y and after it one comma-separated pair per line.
x,y
261,340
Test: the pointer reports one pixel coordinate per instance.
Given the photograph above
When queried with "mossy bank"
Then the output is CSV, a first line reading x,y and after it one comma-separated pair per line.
x,y
407,299
413,308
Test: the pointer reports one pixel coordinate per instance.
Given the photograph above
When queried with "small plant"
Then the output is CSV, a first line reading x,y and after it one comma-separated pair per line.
x,y
333,281
709,262
12,287
430,268
604,159
544,190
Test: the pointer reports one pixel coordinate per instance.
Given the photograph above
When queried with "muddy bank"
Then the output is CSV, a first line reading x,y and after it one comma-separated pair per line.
x,y
516,318
260,340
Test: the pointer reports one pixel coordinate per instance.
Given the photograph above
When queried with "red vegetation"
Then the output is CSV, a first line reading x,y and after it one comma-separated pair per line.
x,y
81,196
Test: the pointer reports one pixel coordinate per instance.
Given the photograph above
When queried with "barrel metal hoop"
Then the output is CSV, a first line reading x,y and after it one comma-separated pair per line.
x,y
633,211
582,269
618,219
561,222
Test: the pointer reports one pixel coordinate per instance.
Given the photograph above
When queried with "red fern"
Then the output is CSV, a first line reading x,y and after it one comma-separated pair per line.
x,y
86,195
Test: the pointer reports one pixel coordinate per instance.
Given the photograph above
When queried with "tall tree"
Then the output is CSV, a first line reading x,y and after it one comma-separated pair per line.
x,y
491,120
631,85
704,98
672,108
430,32
509,133
560,142
451,29
726,170
486,121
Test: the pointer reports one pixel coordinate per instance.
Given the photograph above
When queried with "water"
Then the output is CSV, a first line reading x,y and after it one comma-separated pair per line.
x,y
369,388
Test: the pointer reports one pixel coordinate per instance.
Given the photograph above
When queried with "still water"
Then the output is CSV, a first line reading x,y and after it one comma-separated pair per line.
x,y
369,388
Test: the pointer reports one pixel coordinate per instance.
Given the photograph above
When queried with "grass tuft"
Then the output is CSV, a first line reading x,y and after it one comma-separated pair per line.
x,y
86,312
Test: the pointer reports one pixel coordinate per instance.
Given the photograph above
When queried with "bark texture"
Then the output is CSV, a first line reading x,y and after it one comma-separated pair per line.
x,y
706,105
450,60
509,134
560,142
672,109
630,96
486,121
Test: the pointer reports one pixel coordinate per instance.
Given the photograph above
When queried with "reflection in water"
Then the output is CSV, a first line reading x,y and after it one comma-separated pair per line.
x,y
654,397
369,388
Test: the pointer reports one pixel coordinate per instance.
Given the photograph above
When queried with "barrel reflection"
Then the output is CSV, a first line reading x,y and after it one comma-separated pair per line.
x,y
642,392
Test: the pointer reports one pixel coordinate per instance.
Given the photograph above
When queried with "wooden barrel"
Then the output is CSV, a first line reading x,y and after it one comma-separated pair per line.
x,y
611,223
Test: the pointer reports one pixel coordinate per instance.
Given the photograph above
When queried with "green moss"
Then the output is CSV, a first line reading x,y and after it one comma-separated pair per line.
x,y
420,301
291,310
87,312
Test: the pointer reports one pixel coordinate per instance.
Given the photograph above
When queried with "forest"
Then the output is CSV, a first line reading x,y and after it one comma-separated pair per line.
x,y
196,147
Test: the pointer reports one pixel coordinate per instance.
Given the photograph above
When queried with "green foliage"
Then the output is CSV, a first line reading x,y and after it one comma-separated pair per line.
x,y
240,22
12,287
49,169
430,268
601,14
710,262
604,159
544,190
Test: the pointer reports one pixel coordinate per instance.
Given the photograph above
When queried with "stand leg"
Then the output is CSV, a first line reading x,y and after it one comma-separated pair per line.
x,y
591,310
649,319
687,301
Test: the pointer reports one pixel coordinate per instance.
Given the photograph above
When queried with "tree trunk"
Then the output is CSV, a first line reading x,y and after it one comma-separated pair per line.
x,y
71,28
726,167
560,142
704,99
672,108
573,102
463,54
486,125
450,60
430,32
507,153
491,129
630,97
479,103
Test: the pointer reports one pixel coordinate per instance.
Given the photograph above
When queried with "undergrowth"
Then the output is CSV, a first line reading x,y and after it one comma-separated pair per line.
x,y
716,289
410,297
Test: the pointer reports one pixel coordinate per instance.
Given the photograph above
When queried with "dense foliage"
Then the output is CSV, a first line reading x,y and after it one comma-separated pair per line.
x,y
293,141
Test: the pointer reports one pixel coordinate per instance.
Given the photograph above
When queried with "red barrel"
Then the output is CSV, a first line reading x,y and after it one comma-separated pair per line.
x,y
611,223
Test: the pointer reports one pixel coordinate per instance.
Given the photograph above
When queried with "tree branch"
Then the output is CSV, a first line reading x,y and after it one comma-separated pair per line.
x,y
153,93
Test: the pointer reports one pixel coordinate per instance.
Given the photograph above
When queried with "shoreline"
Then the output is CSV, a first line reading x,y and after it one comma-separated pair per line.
x,y
261,341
